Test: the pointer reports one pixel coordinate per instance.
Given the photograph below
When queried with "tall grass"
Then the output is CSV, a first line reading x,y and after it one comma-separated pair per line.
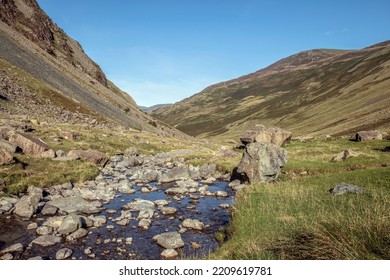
x,y
297,218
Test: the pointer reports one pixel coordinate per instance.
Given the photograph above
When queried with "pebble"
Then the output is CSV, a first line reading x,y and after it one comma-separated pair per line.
x,y
63,254
169,253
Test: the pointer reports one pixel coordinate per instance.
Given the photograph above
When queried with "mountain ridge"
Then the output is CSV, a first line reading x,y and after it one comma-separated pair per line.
x,y
291,93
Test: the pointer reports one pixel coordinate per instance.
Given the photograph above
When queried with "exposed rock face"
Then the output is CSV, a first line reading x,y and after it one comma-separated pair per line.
x,y
30,145
89,155
271,135
6,157
368,135
261,162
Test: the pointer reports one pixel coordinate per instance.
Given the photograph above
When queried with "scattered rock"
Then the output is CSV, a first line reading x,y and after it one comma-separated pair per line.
x,y
344,188
54,222
46,240
261,162
169,253
28,204
123,222
194,224
129,152
74,204
195,245
7,257
178,190
70,224
345,154
64,254
90,156
49,210
81,232
175,174
221,194
16,248
170,240
368,135
6,157
44,230
145,223
30,145
32,226
168,210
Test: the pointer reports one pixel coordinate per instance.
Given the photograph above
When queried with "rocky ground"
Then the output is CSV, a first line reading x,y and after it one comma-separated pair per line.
x,y
139,207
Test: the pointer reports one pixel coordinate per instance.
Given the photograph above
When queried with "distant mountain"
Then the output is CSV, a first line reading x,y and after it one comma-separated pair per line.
x,y
316,92
154,107
45,74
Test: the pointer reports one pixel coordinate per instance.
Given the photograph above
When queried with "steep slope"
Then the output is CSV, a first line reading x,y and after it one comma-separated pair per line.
x,y
41,65
314,92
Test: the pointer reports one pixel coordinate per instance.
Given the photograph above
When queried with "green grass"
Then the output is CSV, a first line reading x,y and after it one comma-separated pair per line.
x,y
44,173
297,218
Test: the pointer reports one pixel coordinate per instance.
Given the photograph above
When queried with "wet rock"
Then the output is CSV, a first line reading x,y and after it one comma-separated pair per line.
x,y
46,240
123,222
224,206
98,221
175,174
221,194
81,232
90,156
195,245
28,204
86,222
54,222
126,188
234,183
16,248
64,254
178,190
150,176
168,210
44,230
145,223
129,240
261,162
344,188
169,253
146,213
70,224
145,190
170,240
74,205
139,204
32,226
193,224
49,210
161,202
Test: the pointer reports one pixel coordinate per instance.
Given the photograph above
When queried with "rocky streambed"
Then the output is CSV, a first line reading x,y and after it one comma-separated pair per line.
x,y
139,207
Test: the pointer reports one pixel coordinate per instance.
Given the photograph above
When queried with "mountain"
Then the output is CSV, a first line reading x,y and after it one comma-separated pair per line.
x,y
315,92
46,75
153,108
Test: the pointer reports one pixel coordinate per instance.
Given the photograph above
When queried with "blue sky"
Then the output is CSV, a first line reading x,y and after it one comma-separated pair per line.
x,y
162,51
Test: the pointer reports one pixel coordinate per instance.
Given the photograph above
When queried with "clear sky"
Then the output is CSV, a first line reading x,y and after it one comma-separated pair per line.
x,y
162,51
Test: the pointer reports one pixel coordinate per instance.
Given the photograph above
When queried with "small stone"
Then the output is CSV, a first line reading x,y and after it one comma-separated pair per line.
x,y
344,188
169,253
145,223
145,190
63,254
7,257
88,251
81,232
49,210
47,240
129,240
161,202
32,226
196,245
110,227
44,230
123,222
221,194
193,224
168,210
111,211
224,206
16,248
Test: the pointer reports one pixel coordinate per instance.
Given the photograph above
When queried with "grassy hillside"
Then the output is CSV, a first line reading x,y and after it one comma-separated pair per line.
x,y
297,218
316,92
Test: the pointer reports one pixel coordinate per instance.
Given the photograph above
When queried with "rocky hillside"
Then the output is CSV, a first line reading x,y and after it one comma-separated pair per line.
x,y
316,92
46,75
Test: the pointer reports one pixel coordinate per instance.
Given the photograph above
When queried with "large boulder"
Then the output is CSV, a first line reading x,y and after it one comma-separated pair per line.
x,y
368,135
74,204
93,156
273,135
30,145
261,162
6,157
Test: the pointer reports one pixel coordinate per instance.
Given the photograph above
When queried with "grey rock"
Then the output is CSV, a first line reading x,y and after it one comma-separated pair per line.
x,y
98,221
178,190
125,187
170,240
7,257
49,210
70,224
27,205
146,213
273,135
345,154
168,210
123,222
169,253
221,194
64,254
74,205
81,232
54,222
144,223
46,240
261,162
44,230
161,202
344,188
93,156
368,135
194,224
175,174
139,204
32,226
6,157
16,248
130,152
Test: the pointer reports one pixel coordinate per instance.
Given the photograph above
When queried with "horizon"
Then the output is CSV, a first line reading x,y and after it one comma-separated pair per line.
x,y
187,47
